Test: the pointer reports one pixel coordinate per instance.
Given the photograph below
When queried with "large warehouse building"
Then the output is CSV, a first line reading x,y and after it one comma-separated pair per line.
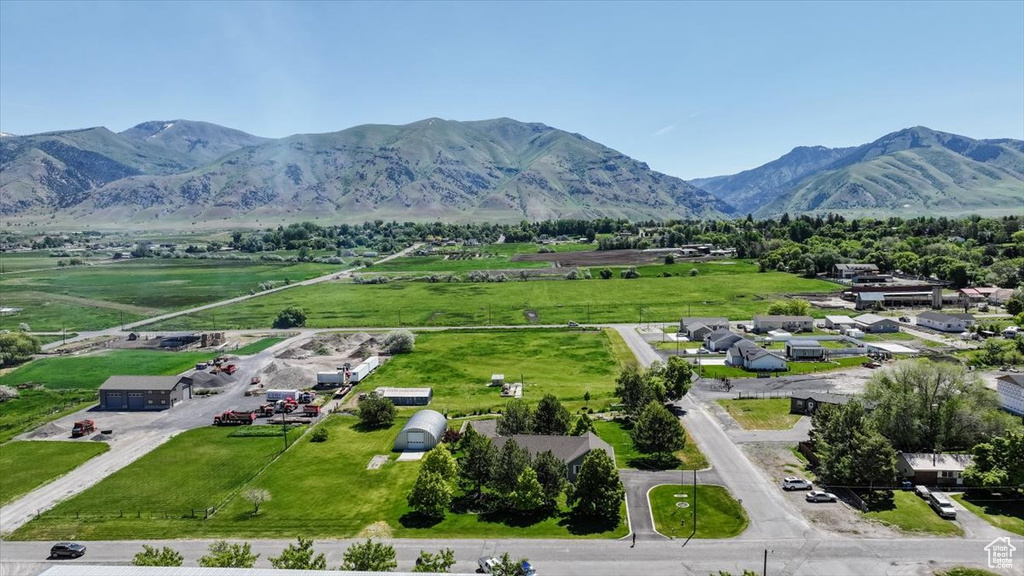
x,y
131,393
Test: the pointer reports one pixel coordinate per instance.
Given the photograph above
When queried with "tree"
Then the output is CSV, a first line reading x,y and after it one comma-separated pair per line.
x,y
550,417
478,460
224,555
399,342
791,307
551,473
431,494
440,562
256,497
670,259
291,317
633,389
320,434
605,273
151,556
506,566
515,419
24,327
376,412
678,377
17,347
598,491
850,450
528,496
581,425
629,273
441,462
658,431
299,557
510,463
998,462
1015,305
369,556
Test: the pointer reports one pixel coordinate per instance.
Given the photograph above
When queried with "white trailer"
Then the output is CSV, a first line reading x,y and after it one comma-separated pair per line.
x,y
275,395
330,378
359,373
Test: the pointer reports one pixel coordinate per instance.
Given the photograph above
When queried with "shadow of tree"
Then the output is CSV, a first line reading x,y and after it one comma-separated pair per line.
x,y
419,520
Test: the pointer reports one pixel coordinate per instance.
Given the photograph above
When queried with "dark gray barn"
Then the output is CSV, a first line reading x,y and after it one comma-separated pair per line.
x,y
136,393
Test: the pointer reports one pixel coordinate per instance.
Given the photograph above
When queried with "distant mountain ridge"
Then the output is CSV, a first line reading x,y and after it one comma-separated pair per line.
x,y
912,171
498,170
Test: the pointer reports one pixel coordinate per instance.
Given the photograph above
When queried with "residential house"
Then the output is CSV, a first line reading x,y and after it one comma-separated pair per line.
x,y
1011,392
848,271
875,324
805,349
137,393
1000,297
945,322
766,323
839,322
697,328
748,355
933,469
569,449
807,403
721,340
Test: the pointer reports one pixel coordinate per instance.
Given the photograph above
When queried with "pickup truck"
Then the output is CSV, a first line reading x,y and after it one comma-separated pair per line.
x,y
488,564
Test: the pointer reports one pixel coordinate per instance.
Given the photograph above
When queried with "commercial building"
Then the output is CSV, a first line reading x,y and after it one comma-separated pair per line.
x,y
137,393
1011,392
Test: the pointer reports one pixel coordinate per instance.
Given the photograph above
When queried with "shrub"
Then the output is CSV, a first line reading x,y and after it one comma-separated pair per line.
x,y
670,259
629,273
291,317
319,435
606,273
399,342
693,272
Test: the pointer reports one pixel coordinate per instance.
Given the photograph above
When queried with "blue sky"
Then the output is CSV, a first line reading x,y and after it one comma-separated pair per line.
x,y
693,89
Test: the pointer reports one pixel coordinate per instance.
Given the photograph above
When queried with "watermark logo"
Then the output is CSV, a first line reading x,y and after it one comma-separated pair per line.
x,y
1000,553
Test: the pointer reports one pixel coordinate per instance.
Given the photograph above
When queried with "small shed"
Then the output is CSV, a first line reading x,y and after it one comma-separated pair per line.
x,y
422,432
497,379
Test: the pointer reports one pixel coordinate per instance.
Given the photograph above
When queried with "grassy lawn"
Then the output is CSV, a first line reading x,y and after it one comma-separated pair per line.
x,y
616,433
719,515
47,338
11,262
1005,514
964,571
95,297
889,337
258,346
177,479
92,370
25,466
458,365
37,406
443,264
761,413
912,514
336,304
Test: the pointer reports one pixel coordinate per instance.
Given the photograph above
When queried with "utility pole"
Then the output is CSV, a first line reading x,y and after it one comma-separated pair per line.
x,y
695,501
764,570
284,427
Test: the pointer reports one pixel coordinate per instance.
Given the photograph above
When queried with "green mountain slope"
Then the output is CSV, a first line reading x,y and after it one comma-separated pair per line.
x,y
199,142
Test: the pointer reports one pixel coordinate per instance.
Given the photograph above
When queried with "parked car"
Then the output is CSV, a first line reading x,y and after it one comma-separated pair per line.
x,y
573,324
942,506
905,319
703,351
906,485
486,565
67,550
819,496
922,491
794,483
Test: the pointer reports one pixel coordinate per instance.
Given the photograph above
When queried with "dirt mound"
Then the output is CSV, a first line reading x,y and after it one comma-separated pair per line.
x,y
287,376
48,431
101,438
379,530
333,345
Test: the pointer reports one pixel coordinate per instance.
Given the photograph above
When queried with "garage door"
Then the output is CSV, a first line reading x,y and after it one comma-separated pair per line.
x,y
416,440
115,401
136,400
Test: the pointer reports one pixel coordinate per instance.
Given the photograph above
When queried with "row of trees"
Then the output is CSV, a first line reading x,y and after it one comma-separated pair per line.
x,y
659,383
368,556
550,417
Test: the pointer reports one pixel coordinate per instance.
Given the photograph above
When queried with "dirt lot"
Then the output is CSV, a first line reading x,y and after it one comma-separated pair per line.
x,y
296,367
601,258
780,462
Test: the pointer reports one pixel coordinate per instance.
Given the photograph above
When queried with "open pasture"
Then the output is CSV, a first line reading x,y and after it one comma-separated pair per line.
x,y
90,371
24,466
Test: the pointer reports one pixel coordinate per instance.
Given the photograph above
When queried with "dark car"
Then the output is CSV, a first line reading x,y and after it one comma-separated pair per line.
x,y
67,550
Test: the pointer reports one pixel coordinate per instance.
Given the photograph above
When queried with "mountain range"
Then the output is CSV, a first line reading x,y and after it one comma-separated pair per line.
x,y
181,171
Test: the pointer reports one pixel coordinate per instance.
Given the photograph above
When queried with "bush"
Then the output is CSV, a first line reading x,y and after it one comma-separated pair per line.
x,y
629,273
319,435
573,275
399,342
376,412
8,393
291,317
670,259
17,347
693,272
606,273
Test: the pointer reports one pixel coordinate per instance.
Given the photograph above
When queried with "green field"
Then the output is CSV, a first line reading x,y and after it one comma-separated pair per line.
x,y
616,433
443,264
334,304
177,480
90,371
911,513
24,466
47,338
719,515
1005,514
317,489
761,413
96,297
16,262
889,337
257,346
458,366
37,406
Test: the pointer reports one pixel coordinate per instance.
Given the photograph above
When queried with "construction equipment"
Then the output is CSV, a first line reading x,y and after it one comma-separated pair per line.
x,y
230,369
266,410
286,405
255,381
82,427
311,410
234,418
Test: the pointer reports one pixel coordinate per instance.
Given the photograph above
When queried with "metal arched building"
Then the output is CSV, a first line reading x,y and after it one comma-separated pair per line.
x,y
422,432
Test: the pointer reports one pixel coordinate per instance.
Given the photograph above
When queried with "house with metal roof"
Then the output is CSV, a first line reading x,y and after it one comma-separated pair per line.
x,y
933,469
807,403
134,393
422,432
804,349
406,396
875,324
569,449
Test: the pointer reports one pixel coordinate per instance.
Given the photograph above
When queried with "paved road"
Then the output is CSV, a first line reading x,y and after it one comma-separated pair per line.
x,y
639,482
133,442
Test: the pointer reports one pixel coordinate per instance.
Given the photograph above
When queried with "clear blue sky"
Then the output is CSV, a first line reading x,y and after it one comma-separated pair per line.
x,y
693,89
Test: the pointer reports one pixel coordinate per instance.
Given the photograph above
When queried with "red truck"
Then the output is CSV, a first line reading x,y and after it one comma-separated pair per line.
x,y
266,410
311,410
286,405
82,427
230,369
234,418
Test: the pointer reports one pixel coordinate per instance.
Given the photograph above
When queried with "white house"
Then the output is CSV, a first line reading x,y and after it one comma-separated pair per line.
x,y
750,356
875,324
945,322
839,322
766,323
1011,392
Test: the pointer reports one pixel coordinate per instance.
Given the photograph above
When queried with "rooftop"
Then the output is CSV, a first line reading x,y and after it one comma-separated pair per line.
x,y
565,448
782,318
804,343
940,317
871,319
141,383
402,392
923,461
823,397
1017,379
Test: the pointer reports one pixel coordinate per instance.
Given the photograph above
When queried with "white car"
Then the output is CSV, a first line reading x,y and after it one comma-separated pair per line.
x,y
819,496
794,483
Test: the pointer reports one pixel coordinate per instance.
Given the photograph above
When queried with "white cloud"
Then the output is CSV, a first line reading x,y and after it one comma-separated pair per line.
x,y
666,130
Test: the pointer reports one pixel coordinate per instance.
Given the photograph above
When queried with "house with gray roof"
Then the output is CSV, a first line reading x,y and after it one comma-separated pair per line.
x,y
945,322
569,449
875,324
804,349
929,469
748,355
721,340
768,322
807,403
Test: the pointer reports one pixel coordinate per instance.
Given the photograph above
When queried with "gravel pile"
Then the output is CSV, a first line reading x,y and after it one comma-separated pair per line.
x,y
48,431
102,438
287,376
